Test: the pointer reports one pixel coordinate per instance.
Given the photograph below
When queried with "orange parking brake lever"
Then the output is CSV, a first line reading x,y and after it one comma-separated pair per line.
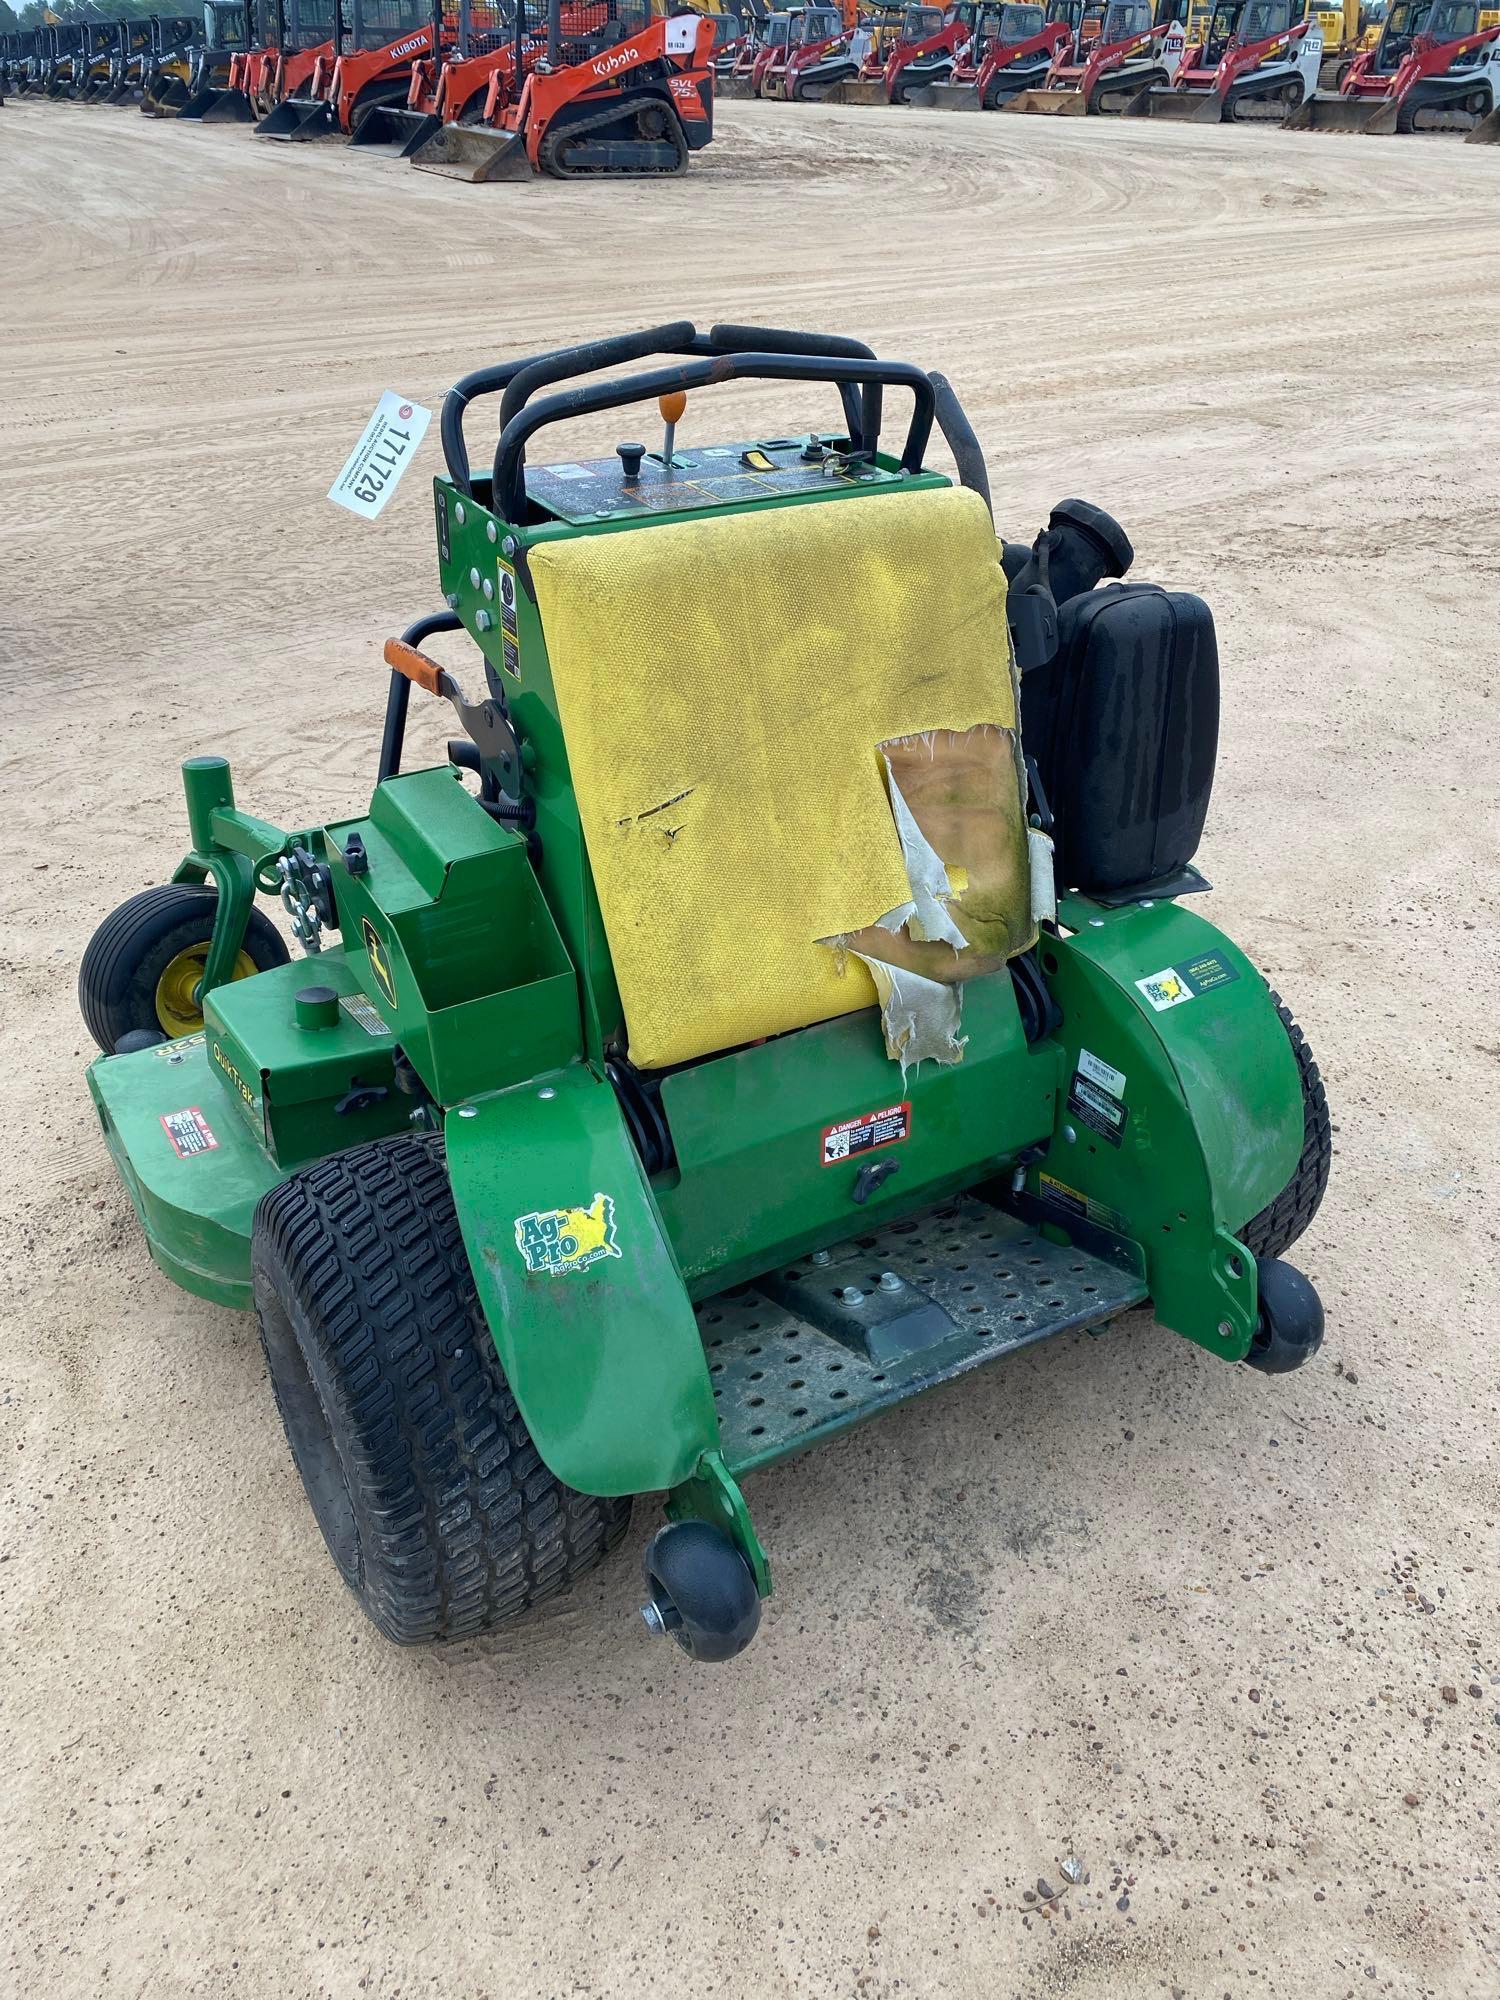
x,y
487,723
415,666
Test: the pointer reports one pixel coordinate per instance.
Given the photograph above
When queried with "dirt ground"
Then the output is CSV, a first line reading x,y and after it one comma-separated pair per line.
x,y
1231,1642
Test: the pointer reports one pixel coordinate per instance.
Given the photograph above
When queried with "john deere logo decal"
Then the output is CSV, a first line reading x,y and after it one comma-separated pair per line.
x,y
380,965
557,1240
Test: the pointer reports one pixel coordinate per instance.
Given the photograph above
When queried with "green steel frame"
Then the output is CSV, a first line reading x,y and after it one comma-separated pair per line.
x,y
490,971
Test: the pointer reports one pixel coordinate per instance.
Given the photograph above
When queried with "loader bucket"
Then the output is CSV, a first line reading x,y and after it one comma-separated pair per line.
x,y
1049,103
739,86
955,97
1336,114
218,107
1188,107
169,100
395,131
858,90
1487,131
297,118
474,153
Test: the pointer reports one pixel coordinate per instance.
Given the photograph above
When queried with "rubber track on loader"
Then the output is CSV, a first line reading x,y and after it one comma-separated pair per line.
x,y
556,141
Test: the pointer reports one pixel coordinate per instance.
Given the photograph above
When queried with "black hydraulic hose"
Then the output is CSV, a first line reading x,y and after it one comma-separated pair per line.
x,y
398,698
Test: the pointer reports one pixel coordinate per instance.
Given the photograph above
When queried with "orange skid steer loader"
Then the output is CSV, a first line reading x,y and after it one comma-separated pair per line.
x,y
590,87
375,43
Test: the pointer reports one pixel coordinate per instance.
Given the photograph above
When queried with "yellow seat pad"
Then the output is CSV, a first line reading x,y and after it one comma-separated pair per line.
x,y
724,685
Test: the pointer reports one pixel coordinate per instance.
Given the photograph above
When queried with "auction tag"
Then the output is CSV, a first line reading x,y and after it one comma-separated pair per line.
x,y
374,467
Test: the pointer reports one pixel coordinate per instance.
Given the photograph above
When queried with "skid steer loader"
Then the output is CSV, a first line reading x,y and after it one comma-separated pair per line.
x,y
473,69
617,90
815,40
771,1012
1434,69
1012,50
1259,61
175,40
128,64
914,68
878,32
98,41
374,44
215,93
1113,53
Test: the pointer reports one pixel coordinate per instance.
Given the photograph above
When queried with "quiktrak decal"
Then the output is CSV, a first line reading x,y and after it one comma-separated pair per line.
x,y
555,1241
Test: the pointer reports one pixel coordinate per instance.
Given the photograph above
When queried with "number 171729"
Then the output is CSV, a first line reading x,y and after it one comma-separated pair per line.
x,y
385,460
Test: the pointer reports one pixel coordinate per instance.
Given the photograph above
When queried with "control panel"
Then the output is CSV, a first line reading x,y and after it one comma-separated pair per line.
x,y
638,481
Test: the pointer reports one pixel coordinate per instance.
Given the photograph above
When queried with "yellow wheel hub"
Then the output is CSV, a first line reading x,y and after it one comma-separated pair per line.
x,y
177,1005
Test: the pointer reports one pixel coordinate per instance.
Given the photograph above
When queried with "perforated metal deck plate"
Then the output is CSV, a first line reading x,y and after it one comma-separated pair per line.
x,y
791,1361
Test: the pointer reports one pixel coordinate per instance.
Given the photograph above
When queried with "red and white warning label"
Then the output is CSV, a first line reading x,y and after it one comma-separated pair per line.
x,y
189,1131
863,1135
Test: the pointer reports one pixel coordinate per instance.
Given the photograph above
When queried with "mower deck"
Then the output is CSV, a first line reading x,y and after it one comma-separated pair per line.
x,y
794,1363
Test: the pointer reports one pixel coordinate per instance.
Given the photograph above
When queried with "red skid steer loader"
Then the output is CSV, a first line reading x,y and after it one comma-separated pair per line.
x,y
1012,50
1434,69
1107,61
1258,59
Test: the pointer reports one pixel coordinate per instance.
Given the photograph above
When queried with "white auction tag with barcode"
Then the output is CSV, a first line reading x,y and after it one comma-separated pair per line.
x,y
374,467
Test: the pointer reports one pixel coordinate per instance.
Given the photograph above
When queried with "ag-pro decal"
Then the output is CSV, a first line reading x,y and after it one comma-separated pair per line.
x,y
1175,984
555,1241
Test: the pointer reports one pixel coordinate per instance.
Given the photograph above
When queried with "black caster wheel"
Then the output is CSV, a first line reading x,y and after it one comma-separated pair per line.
x,y
702,1593
139,1038
1290,1328
141,969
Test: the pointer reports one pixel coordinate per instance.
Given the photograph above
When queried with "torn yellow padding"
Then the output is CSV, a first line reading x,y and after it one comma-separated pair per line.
x,y
724,686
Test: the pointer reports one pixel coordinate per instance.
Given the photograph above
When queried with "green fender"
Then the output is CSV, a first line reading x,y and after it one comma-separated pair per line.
x,y
1200,1124
576,1277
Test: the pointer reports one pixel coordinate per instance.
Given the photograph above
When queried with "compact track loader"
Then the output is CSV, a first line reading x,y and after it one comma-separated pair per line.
x,y
770,1012
1113,53
168,67
366,68
1012,49
1259,60
216,94
598,87
804,53
1435,68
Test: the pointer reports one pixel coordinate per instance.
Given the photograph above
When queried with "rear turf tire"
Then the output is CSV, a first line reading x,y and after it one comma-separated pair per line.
x,y
434,1502
136,976
1283,1220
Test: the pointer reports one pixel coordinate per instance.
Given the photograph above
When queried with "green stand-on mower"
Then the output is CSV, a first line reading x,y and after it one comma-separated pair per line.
x,y
786,999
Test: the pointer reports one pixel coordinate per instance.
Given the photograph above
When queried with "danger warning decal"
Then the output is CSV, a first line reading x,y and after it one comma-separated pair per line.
x,y
189,1132
863,1135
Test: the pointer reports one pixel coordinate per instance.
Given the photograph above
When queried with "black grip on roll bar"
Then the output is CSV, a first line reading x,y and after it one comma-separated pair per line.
x,y
863,423
680,338
959,435
676,337
508,488
398,699
490,381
